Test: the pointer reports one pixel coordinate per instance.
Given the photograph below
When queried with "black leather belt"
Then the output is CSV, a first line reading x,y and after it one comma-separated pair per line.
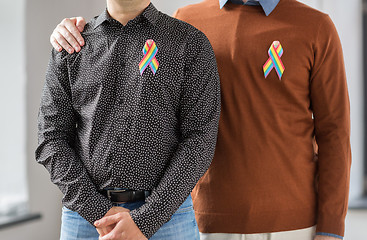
x,y
125,196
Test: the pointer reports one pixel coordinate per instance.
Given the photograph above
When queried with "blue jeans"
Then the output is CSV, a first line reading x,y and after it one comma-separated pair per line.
x,y
182,225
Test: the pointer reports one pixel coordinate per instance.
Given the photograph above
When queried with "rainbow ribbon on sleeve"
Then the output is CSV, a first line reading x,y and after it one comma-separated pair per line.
x,y
275,53
150,50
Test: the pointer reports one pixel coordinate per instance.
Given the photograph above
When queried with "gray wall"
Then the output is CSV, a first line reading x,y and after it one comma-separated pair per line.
x,y
170,6
12,69
40,18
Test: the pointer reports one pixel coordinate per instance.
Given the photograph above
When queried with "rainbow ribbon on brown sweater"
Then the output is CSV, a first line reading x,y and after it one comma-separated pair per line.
x,y
275,53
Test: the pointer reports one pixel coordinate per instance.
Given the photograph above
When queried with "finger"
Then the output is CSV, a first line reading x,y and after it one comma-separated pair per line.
x,y
108,220
68,36
109,236
76,39
80,23
55,44
61,40
116,233
100,231
104,231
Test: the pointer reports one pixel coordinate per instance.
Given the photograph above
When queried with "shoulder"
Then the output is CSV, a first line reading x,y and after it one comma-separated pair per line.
x,y
89,28
319,22
300,11
194,10
181,29
59,58
173,24
305,19
63,59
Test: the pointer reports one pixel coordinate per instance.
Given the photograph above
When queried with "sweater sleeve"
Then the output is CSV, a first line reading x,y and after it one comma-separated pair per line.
x,y
330,105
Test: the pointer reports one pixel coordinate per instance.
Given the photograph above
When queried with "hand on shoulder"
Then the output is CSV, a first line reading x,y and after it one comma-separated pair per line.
x,y
67,35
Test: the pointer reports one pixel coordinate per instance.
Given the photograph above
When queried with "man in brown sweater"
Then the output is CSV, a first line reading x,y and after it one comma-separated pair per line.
x,y
283,86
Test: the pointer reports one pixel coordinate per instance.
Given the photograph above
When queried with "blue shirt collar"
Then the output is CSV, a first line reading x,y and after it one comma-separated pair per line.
x,y
267,5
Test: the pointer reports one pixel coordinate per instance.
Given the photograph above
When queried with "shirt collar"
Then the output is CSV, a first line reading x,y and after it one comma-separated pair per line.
x,y
150,13
267,5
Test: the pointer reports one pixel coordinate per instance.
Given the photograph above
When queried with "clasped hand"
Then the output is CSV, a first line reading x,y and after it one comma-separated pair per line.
x,y
117,224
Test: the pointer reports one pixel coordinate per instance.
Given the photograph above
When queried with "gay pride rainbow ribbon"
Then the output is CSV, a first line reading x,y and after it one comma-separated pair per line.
x,y
150,51
275,53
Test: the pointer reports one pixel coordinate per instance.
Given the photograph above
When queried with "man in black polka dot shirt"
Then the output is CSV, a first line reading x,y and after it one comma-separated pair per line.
x,y
128,125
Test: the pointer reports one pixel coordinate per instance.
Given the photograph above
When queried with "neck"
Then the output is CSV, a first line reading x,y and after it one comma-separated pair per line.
x,y
126,10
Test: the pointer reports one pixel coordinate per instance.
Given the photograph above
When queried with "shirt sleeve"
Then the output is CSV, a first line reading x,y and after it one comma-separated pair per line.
x,y
57,123
199,118
330,105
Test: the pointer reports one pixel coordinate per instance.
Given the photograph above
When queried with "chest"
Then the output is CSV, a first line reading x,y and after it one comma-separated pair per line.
x,y
134,68
243,41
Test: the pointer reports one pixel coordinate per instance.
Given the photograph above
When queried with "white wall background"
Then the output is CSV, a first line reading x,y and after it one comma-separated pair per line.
x,y
12,87
30,33
26,42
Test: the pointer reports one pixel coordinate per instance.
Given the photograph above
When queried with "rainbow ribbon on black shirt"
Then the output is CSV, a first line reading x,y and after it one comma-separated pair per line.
x,y
150,51
275,53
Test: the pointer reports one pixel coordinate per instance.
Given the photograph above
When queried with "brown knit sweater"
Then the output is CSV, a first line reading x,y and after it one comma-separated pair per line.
x,y
262,178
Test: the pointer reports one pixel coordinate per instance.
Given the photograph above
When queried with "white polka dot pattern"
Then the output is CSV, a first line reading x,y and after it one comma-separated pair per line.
x,y
102,124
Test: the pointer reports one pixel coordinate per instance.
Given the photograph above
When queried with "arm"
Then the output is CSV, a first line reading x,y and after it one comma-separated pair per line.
x,y
56,135
199,117
67,35
330,104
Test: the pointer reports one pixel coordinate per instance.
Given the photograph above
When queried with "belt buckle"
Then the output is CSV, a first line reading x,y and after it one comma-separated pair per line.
x,y
114,191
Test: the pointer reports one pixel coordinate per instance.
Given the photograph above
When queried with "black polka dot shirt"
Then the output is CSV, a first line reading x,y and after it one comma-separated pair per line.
x,y
105,123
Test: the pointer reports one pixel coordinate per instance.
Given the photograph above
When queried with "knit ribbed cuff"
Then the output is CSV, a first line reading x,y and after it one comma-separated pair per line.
x,y
329,235
331,224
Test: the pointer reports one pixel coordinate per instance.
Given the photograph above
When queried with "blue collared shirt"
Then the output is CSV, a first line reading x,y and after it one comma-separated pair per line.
x,y
267,5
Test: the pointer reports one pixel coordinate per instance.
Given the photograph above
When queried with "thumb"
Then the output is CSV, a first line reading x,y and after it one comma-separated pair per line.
x,y
80,23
